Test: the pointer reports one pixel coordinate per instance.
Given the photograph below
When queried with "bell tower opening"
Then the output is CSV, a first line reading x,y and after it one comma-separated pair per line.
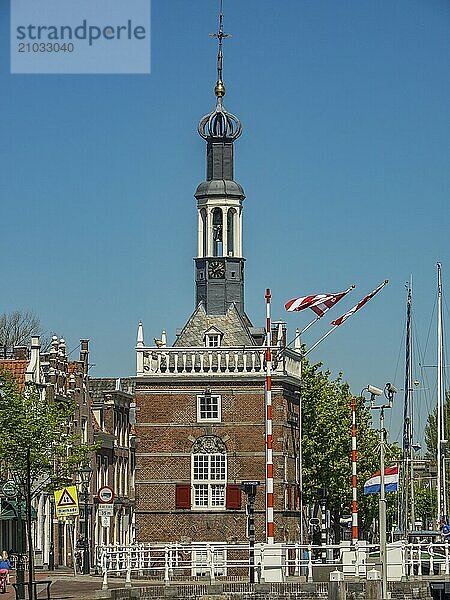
x,y
217,232
231,224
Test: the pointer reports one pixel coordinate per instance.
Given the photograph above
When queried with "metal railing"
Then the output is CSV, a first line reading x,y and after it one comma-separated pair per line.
x,y
274,563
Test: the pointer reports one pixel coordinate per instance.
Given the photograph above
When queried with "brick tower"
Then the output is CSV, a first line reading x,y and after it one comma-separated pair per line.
x,y
200,402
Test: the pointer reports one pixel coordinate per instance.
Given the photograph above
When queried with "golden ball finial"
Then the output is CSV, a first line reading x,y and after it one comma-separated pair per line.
x,y
219,90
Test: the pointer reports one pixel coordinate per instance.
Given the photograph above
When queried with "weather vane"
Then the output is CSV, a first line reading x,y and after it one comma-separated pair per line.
x,y
219,90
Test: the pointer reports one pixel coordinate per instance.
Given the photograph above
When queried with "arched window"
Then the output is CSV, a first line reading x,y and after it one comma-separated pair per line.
x,y
209,473
204,233
231,224
217,232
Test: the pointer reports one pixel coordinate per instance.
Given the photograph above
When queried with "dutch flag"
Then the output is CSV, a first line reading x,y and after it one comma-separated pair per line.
x,y
373,485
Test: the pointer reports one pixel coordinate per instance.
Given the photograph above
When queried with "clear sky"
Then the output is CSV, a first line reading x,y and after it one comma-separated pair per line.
x,y
344,160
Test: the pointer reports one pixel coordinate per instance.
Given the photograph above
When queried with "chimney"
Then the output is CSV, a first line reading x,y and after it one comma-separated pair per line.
x,y
20,353
84,354
33,372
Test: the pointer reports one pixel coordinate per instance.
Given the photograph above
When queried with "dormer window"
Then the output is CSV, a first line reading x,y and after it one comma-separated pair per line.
x,y
213,338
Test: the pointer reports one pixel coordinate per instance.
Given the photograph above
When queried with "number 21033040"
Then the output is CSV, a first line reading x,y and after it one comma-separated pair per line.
x,y
45,47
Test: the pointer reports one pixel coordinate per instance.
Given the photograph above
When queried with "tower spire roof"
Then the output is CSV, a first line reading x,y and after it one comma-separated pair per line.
x,y
219,90
220,123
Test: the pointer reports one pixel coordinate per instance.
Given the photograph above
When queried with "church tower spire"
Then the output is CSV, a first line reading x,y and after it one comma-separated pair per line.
x,y
219,261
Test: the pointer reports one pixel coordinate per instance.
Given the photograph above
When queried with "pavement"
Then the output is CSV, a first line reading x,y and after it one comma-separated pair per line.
x,y
65,585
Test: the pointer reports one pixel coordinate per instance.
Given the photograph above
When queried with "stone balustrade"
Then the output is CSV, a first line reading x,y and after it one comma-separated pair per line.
x,y
236,361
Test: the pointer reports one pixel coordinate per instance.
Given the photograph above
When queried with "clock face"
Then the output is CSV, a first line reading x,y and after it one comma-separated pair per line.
x,y
216,269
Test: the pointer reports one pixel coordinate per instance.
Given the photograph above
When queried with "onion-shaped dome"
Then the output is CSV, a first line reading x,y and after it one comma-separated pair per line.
x,y
220,124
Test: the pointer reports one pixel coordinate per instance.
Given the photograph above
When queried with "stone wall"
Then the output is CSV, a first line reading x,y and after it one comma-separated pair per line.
x,y
417,590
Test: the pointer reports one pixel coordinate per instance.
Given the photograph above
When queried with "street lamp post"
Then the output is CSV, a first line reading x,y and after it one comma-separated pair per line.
x,y
389,391
20,566
86,475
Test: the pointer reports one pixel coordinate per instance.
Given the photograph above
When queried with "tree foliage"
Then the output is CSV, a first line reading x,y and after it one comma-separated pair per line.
x,y
326,442
17,327
425,500
431,429
29,422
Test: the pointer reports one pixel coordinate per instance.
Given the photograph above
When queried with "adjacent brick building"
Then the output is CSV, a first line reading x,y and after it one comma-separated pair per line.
x,y
58,379
103,415
113,417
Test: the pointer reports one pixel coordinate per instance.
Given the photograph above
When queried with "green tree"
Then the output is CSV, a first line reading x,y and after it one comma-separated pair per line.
x,y
425,499
431,429
326,442
28,422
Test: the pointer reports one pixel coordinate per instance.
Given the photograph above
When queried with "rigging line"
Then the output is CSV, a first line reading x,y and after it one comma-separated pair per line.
x,y
72,351
423,374
418,377
400,351
430,325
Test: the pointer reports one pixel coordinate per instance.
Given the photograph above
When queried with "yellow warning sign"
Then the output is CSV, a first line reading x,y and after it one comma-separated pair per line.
x,y
66,502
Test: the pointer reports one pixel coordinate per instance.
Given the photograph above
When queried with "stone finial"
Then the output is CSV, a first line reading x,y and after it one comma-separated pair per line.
x,y
140,335
54,344
280,335
297,342
164,338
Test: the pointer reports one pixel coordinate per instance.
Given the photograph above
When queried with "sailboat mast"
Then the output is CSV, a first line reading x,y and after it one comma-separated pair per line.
x,y
441,483
406,418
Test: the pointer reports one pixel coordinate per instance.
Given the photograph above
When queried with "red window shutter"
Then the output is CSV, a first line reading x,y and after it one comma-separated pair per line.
x,y
296,504
233,497
182,495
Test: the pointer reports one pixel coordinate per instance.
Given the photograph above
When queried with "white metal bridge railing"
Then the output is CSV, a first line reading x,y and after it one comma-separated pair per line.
x,y
279,562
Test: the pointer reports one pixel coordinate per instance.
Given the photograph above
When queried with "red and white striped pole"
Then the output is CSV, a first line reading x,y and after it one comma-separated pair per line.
x,y
269,456
354,490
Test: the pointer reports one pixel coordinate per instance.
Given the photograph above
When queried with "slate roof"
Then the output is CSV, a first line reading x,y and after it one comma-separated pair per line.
x,y
17,368
109,384
233,324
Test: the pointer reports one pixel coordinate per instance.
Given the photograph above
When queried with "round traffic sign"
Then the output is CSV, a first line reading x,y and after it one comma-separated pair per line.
x,y
9,489
105,494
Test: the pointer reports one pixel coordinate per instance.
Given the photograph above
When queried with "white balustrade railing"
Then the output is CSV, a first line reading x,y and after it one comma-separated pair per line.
x,y
206,361
168,562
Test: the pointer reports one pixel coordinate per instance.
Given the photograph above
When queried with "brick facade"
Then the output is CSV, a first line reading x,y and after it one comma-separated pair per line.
x,y
167,427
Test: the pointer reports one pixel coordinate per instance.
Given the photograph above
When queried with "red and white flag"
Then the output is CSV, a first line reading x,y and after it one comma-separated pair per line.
x,y
319,303
359,305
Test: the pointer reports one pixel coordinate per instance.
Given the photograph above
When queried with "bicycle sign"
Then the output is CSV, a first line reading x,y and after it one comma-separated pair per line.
x,y
105,494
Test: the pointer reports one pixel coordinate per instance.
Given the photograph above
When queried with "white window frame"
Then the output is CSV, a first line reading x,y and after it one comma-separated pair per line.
x,y
210,481
213,340
216,419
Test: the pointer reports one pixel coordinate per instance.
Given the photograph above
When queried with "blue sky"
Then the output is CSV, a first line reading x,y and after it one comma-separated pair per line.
x,y
344,160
